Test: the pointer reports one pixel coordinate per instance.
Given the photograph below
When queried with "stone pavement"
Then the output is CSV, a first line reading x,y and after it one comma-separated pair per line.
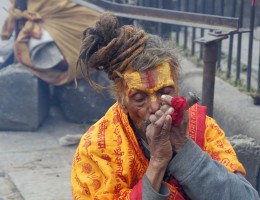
x,y
33,165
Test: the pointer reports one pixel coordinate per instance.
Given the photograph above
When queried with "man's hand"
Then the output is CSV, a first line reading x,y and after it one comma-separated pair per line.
x,y
158,136
179,134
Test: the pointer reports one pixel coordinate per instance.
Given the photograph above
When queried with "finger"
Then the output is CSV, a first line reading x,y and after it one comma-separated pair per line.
x,y
166,99
169,111
164,111
153,119
167,124
165,107
159,113
160,121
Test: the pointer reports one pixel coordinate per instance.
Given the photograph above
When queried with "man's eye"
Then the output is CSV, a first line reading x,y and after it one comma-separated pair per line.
x,y
139,98
167,91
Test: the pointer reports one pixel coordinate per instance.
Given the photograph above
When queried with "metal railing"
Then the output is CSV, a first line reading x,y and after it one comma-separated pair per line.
x,y
240,62
181,19
185,18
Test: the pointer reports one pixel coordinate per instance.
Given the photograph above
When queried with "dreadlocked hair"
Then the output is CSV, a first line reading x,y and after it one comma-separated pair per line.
x,y
115,49
155,53
109,47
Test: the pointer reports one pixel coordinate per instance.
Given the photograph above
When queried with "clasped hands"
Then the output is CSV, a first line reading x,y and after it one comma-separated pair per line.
x,y
163,137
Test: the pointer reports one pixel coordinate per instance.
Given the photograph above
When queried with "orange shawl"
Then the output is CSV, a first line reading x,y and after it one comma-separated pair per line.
x,y
109,163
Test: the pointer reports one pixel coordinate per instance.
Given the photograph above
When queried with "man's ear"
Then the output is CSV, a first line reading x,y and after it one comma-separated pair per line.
x,y
124,108
122,104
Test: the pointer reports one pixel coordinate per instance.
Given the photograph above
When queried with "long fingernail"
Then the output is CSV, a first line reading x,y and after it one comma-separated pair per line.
x,y
163,96
168,117
170,110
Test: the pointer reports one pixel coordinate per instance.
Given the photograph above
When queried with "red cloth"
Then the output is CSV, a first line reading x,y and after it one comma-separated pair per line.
x,y
136,192
179,104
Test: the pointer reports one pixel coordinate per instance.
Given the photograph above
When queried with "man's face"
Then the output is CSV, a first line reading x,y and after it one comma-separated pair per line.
x,y
143,93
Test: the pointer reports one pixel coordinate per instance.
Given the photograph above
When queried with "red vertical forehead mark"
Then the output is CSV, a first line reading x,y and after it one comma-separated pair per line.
x,y
149,79
130,92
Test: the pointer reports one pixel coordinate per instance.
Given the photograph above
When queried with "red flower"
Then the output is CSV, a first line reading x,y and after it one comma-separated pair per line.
x,y
179,104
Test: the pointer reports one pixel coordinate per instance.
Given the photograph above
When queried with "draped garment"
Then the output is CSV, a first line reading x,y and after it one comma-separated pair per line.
x,y
109,163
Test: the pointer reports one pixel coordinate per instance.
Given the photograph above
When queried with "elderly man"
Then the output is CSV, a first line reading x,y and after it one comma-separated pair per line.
x,y
149,145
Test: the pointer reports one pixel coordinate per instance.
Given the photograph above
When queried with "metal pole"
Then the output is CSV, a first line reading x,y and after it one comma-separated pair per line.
x,y
209,71
194,30
239,42
21,5
250,46
258,80
220,44
167,28
213,7
230,52
186,7
159,25
256,97
178,27
202,30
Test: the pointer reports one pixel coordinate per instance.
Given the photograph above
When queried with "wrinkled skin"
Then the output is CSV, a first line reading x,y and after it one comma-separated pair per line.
x,y
147,101
158,136
179,134
163,139
156,114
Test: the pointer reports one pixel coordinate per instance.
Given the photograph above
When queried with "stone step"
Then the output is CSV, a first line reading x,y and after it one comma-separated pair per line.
x,y
83,104
24,99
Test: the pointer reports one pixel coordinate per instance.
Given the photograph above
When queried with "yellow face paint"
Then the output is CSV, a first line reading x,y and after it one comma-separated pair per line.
x,y
149,81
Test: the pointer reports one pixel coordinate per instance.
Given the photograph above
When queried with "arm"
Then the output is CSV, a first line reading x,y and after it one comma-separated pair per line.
x,y
202,177
157,134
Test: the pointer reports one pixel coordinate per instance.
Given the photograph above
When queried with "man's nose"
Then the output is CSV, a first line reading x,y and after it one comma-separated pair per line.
x,y
154,103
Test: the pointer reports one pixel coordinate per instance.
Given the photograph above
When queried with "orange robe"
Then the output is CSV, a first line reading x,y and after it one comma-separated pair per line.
x,y
109,163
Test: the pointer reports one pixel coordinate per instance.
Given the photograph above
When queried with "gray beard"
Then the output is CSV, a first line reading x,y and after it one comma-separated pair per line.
x,y
140,128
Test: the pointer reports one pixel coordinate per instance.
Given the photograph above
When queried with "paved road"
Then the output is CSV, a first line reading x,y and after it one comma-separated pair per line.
x,y
33,165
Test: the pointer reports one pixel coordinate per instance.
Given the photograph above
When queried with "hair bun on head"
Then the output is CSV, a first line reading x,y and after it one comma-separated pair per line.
x,y
107,27
110,48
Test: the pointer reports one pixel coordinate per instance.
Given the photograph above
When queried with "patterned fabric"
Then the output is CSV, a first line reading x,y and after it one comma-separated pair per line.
x,y
219,148
109,163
